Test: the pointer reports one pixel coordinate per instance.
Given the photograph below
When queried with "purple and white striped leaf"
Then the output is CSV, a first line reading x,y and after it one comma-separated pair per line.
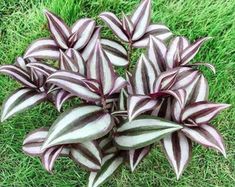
x,y
21,63
143,131
110,164
115,51
156,54
33,142
178,150
174,51
208,65
58,28
136,155
74,84
84,123
99,68
127,25
42,68
43,48
107,146
61,97
18,74
144,76
159,31
87,154
138,104
19,101
118,85
189,52
202,112
141,19
114,24
207,136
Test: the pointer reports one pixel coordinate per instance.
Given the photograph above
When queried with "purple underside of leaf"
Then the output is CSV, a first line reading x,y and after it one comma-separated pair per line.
x,y
91,123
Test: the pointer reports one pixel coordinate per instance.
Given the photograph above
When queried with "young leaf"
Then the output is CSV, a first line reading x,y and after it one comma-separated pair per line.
x,y
115,51
178,150
206,135
84,123
20,100
143,131
61,97
87,155
110,164
42,68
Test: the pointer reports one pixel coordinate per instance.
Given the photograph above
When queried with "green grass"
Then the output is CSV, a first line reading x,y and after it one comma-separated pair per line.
x,y
22,21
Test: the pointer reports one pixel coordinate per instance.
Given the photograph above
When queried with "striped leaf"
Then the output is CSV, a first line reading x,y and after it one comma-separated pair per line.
x,y
61,97
42,68
43,48
115,51
178,150
210,66
127,25
87,51
159,31
143,131
141,19
110,164
207,136
144,76
19,101
21,63
138,104
99,68
189,52
156,53
49,157
78,125
58,28
174,51
18,74
118,85
136,155
33,142
202,112
107,146
82,31
114,24
73,83
87,154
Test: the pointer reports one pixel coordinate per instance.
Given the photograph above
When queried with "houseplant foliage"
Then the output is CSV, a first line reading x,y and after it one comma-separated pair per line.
x,y
163,99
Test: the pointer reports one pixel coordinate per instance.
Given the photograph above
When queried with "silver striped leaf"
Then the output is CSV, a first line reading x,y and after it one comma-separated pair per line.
x,y
87,154
143,131
110,164
61,97
19,101
178,150
115,51
84,123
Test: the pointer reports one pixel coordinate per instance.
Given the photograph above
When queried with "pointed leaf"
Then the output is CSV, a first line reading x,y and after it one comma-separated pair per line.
x,y
127,25
78,125
107,146
19,101
118,85
61,97
178,150
42,68
206,135
143,131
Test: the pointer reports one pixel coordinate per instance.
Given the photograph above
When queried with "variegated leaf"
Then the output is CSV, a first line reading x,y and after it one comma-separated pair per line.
x,y
141,19
208,65
19,101
61,97
43,48
127,25
99,68
202,112
143,131
42,68
74,84
33,142
82,31
115,51
114,24
107,146
87,154
189,52
110,164
84,123
18,74
58,28
138,104
178,150
136,155
159,31
206,135
118,85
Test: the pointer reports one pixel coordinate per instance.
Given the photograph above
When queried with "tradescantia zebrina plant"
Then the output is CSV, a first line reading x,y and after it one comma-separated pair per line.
x,y
163,99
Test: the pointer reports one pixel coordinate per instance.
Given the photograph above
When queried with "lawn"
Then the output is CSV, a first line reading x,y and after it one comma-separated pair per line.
x,y
22,21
